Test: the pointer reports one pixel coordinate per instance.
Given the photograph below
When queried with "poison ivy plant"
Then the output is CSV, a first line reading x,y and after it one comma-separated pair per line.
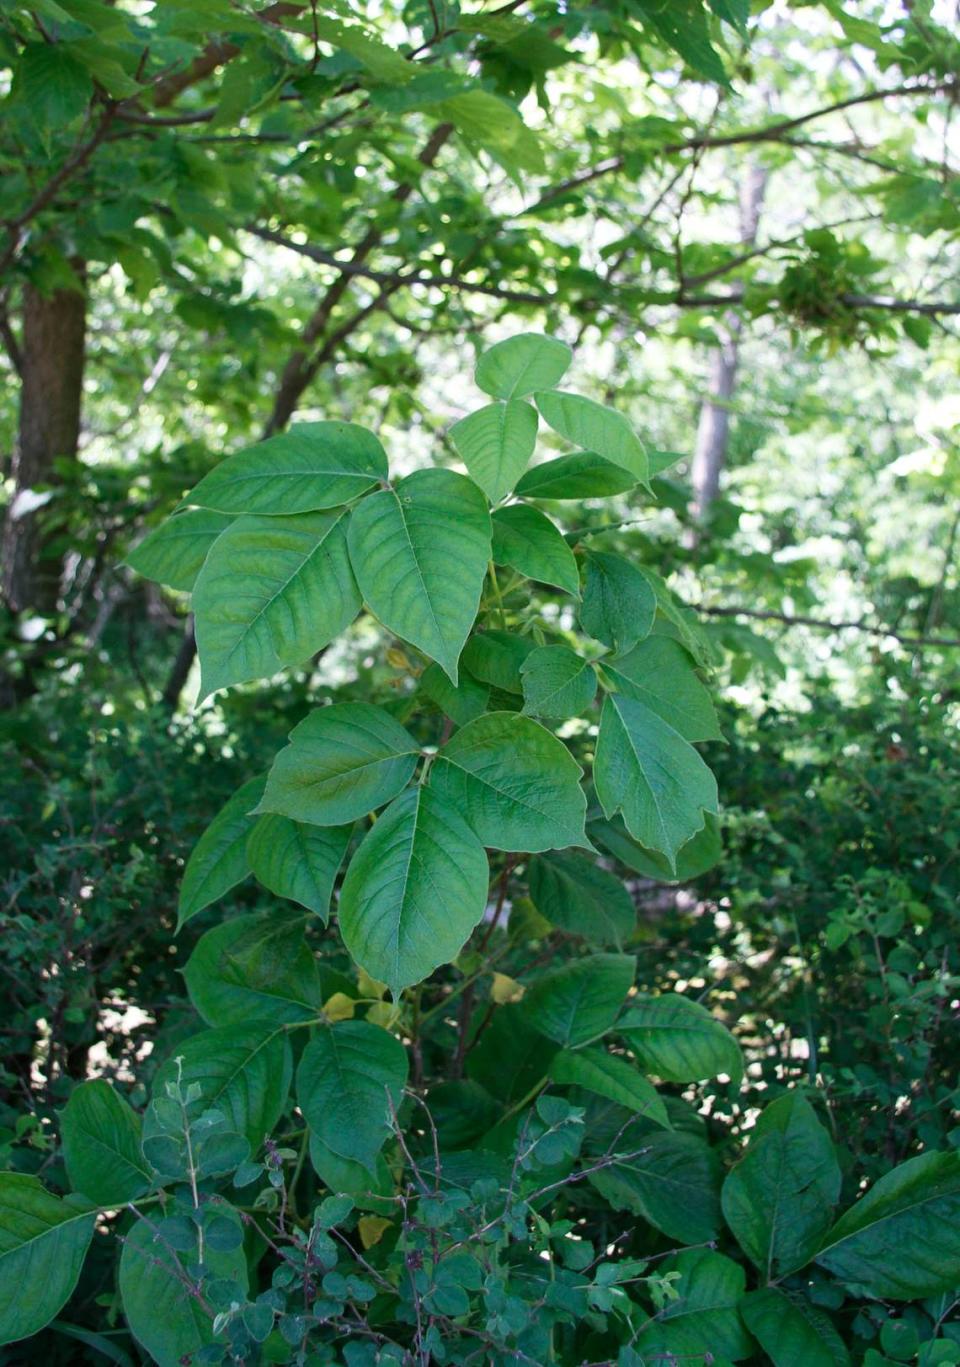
x,y
431,1104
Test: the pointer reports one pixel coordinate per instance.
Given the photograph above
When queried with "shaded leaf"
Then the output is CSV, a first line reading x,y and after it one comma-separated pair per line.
x,y
414,890
420,553
299,861
272,592
516,785
314,465
341,763
495,444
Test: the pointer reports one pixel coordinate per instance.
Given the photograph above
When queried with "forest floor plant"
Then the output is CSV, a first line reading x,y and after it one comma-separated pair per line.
x,y
465,1130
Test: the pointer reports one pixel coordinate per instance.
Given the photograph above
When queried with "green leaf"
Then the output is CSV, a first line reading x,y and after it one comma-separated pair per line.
x,y
526,540
486,119
704,1321
516,785
579,896
496,658
101,1145
314,465
53,86
580,1001
244,1071
521,365
512,1056
342,762
647,771
618,604
164,1315
420,553
659,673
273,591
219,858
344,1175
779,1198
495,444
914,1210
461,702
683,26
294,860
43,1242
596,429
254,968
700,853
679,620
673,1183
414,890
349,1077
557,682
791,1331
611,1077
174,553
679,1040
583,474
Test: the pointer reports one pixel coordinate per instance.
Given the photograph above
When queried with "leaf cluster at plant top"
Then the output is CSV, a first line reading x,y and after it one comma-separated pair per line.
x,y
360,1159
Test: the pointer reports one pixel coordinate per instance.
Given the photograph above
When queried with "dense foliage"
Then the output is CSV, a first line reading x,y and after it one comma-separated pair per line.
x,y
528,931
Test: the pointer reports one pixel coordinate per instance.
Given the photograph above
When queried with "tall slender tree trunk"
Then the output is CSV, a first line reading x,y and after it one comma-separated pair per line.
x,y
713,430
51,389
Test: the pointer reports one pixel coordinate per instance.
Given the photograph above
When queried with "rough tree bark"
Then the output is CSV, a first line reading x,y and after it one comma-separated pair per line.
x,y
51,388
713,430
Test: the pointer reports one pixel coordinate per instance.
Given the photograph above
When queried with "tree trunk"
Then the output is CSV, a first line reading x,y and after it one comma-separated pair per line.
x,y
713,430
52,350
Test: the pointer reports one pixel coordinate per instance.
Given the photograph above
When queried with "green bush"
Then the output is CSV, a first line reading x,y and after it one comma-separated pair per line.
x,y
432,1134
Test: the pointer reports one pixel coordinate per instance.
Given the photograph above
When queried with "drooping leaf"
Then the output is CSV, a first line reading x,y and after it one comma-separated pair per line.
x,y
242,1070
272,592
557,682
314,465
618,605
779,1198
580,1001
679,1040
704,1320
350,1076
582,474
611,1077
683,26
670,1179
495,443
101,1145
218,861
420,553
299,861
647,771
43,1242
165,1317
522,365
528,541
512,1055
579,896
463,702
791,1331
915,1207
676,619
700,853
659,673
414,890
496,658
594,428
254,968
341,763
174,553
516,785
